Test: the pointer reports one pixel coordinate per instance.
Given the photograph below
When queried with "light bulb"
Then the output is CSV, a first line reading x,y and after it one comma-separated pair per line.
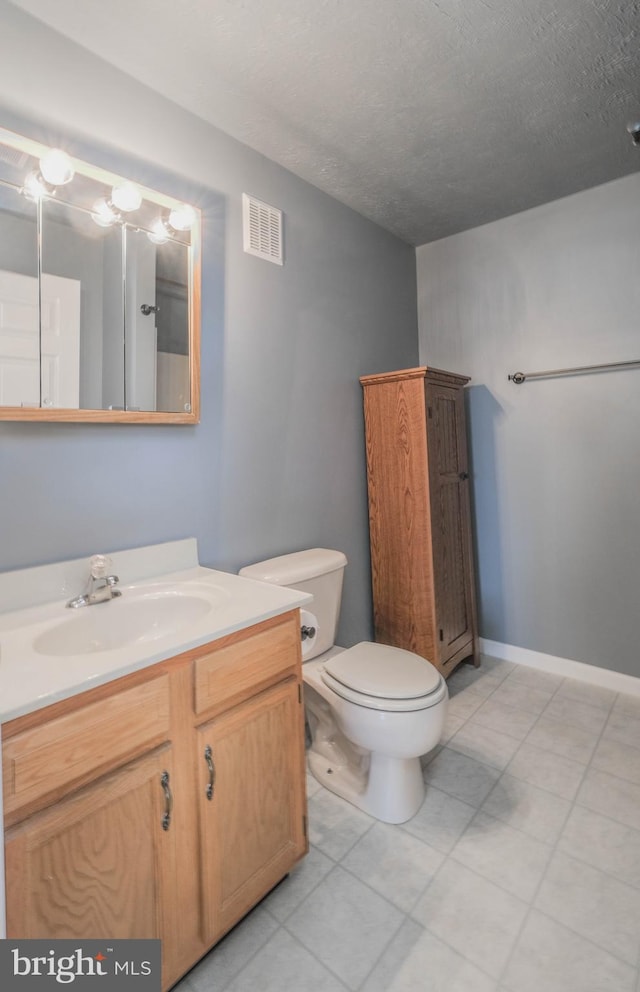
x,y
35,187
126,196
103,213
56,167
182,218
158,234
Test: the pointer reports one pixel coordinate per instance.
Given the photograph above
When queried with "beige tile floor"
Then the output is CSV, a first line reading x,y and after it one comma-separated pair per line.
x,y
520,873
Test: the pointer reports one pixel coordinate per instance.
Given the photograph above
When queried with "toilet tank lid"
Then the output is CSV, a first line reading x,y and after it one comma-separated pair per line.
x,y
286,570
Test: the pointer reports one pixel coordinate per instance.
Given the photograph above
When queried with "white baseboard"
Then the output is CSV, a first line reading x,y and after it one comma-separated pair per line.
x,y
617,681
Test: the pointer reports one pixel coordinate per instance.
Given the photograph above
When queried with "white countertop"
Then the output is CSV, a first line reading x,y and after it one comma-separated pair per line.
x,y
30,680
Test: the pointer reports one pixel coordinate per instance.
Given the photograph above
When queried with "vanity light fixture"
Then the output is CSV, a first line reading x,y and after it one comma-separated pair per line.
x,y
181,218
55,170
126,196
56,167
160,231
35,186
104,213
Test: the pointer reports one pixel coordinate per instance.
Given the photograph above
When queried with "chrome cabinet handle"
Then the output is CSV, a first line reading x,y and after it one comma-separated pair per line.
x,y
208,757
168,801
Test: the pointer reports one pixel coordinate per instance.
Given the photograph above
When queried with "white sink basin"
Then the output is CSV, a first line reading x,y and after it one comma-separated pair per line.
x,y
137,617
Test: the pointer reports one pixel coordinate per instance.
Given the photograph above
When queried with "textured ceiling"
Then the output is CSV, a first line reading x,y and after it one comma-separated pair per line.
x,y
428,116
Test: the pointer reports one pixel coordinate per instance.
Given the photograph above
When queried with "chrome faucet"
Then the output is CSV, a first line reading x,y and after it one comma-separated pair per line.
x,y
100,585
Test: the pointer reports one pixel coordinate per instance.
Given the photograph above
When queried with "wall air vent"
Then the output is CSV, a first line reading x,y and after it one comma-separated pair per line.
x,y
262,227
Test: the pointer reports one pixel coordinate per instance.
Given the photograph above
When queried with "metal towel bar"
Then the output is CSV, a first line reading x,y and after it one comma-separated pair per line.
x,y
520,377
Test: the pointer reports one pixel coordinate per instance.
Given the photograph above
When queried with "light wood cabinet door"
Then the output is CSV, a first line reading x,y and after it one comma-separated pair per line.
x,y
98,863
253,826
450,533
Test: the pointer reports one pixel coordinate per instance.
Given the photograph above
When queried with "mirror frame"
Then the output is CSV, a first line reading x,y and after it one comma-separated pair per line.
x,y
62,415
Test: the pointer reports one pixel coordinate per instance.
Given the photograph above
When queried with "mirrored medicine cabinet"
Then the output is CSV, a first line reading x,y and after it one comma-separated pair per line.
x,y
99,294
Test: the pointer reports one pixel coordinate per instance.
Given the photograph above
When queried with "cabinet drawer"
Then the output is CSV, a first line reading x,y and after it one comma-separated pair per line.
x,y
90,740
235,671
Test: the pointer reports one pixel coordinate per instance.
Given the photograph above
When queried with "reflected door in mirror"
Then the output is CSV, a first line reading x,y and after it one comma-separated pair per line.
x,y
39,368
157,325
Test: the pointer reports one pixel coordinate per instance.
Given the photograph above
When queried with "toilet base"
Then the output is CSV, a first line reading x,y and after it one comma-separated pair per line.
x,y
389,789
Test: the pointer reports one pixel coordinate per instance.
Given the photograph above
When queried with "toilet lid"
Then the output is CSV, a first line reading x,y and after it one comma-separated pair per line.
x,y
384,704
384,672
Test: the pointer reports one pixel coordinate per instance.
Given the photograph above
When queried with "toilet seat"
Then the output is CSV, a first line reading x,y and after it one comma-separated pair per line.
x,y
381,677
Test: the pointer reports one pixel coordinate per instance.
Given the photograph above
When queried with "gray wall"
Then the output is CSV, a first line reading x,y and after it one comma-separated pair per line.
x,y
277,462
66,252
18,235
556,472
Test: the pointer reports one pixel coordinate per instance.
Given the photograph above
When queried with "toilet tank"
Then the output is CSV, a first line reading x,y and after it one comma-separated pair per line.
x,y
318,571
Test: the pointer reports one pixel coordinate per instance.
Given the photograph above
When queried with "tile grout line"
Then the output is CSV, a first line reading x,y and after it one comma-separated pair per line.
x,y
338,864
282,924
326,967
554,850
593,768
554,847
245,961
324,964
450,856
412,919
406,915
587,765
301,900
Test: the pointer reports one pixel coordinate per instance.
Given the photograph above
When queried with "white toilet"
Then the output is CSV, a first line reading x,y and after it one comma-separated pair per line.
x,y
372,710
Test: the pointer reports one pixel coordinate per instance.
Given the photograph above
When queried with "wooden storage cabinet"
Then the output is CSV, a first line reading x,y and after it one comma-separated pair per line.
x,y
419,514
88,848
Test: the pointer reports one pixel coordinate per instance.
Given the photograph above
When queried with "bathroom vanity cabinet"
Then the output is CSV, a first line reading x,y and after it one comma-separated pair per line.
x,y
419,514
164,804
